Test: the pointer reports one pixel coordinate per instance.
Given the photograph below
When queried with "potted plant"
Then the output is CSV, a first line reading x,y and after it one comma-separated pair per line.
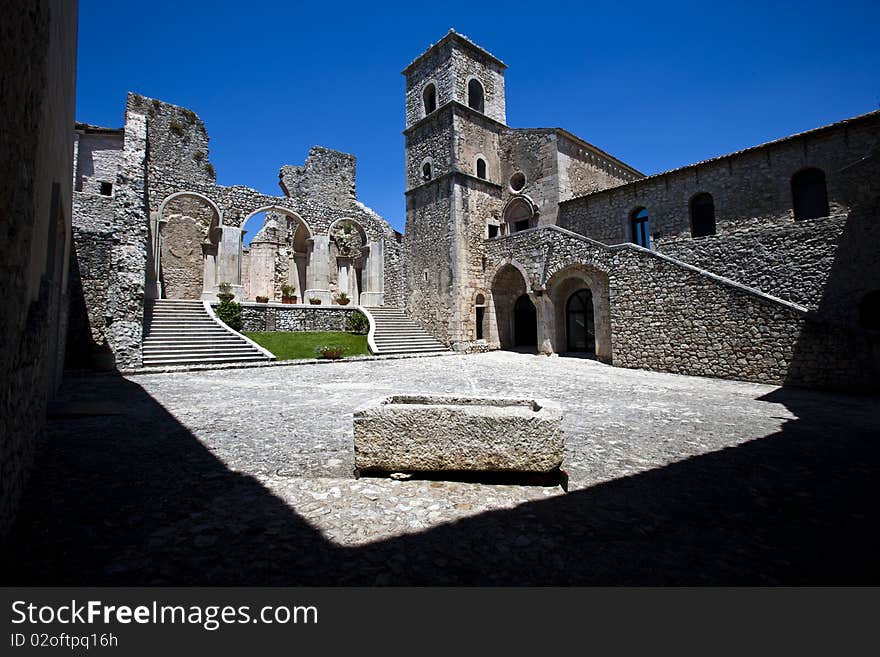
x,y
315,301
330,351
288,294
342,299
262,299
225,293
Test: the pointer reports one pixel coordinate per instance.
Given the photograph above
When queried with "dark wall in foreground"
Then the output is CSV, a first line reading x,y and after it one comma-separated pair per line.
x,y
37,93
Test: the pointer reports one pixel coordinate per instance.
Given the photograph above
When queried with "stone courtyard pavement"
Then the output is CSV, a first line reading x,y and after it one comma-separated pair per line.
x,y
244,476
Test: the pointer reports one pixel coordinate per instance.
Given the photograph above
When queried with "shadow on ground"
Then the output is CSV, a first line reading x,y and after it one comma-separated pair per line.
x,y
123,494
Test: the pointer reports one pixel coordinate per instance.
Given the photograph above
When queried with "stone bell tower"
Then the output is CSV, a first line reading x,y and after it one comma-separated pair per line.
x,y
455,113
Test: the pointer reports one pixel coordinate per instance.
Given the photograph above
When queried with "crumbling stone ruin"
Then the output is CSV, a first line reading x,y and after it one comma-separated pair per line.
x,y
759,265
150,222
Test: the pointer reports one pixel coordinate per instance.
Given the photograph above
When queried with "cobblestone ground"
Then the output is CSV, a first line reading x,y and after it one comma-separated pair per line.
x,y
245,477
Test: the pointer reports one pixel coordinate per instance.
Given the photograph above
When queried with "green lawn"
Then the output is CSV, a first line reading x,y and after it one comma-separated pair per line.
x,y
288,346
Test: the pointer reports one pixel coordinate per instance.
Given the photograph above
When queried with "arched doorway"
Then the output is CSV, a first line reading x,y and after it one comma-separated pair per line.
x,y
580,329
525,323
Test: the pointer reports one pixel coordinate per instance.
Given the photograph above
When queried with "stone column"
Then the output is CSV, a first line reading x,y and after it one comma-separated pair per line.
x,y
546,322
344,280
373,293
228,263
319,269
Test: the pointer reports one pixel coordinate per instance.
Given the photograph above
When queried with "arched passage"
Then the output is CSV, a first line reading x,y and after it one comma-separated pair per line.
x,y
525,322
581,311
580,330
279,252
508,287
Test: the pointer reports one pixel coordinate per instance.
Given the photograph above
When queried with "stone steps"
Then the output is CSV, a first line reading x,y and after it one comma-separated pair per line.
x,y
395,333
183,333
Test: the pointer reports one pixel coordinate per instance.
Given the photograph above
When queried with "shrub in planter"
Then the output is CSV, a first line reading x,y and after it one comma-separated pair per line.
x,y
288,294
342,299
262,299
358,323
330,351
229,313
225,293
315,301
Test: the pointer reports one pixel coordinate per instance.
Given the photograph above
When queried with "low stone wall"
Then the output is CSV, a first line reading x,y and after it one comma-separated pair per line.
x,y
295,317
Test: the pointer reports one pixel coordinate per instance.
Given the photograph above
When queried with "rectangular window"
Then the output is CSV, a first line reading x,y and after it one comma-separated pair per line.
x,y
493,230
106,188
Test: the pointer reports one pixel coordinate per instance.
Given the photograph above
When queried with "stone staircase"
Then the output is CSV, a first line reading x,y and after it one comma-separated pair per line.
x,y
181,332
395,333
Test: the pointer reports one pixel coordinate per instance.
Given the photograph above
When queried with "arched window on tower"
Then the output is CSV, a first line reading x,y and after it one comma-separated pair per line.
x,y
641,230
702,215
475,95
809,194
426,171
481,168
429,97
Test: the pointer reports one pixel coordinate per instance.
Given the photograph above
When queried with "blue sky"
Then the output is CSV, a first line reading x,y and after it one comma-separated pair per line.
x,y
658,84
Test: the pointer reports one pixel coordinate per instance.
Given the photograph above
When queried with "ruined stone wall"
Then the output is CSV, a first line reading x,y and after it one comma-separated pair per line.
x,y
297,317
328,178
37,76
98,158
758,241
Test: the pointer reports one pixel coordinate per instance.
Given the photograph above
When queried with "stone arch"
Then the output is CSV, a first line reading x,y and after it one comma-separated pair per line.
x,y
279,254
509,283
560,287
280,209
349,256
186,246
476,95
519,213
429,98
481,172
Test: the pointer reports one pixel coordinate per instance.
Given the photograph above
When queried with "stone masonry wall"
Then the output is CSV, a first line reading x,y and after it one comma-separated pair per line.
x,y
297,317
758,242
90,265
668,316
37,79
429,255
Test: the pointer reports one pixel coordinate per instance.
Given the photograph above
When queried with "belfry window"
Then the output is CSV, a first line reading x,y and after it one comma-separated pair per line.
x,y
702,215
426,171
641,230
481,168
475,95
429,97
809,194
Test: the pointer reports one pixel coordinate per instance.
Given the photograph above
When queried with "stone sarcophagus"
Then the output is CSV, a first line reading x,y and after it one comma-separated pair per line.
x,y
424,433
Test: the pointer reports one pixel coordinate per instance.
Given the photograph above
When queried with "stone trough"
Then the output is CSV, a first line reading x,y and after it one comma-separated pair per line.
x,y
415,433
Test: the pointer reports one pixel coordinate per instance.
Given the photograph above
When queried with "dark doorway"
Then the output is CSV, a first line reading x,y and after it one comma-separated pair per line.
x,y
580,329
525,323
